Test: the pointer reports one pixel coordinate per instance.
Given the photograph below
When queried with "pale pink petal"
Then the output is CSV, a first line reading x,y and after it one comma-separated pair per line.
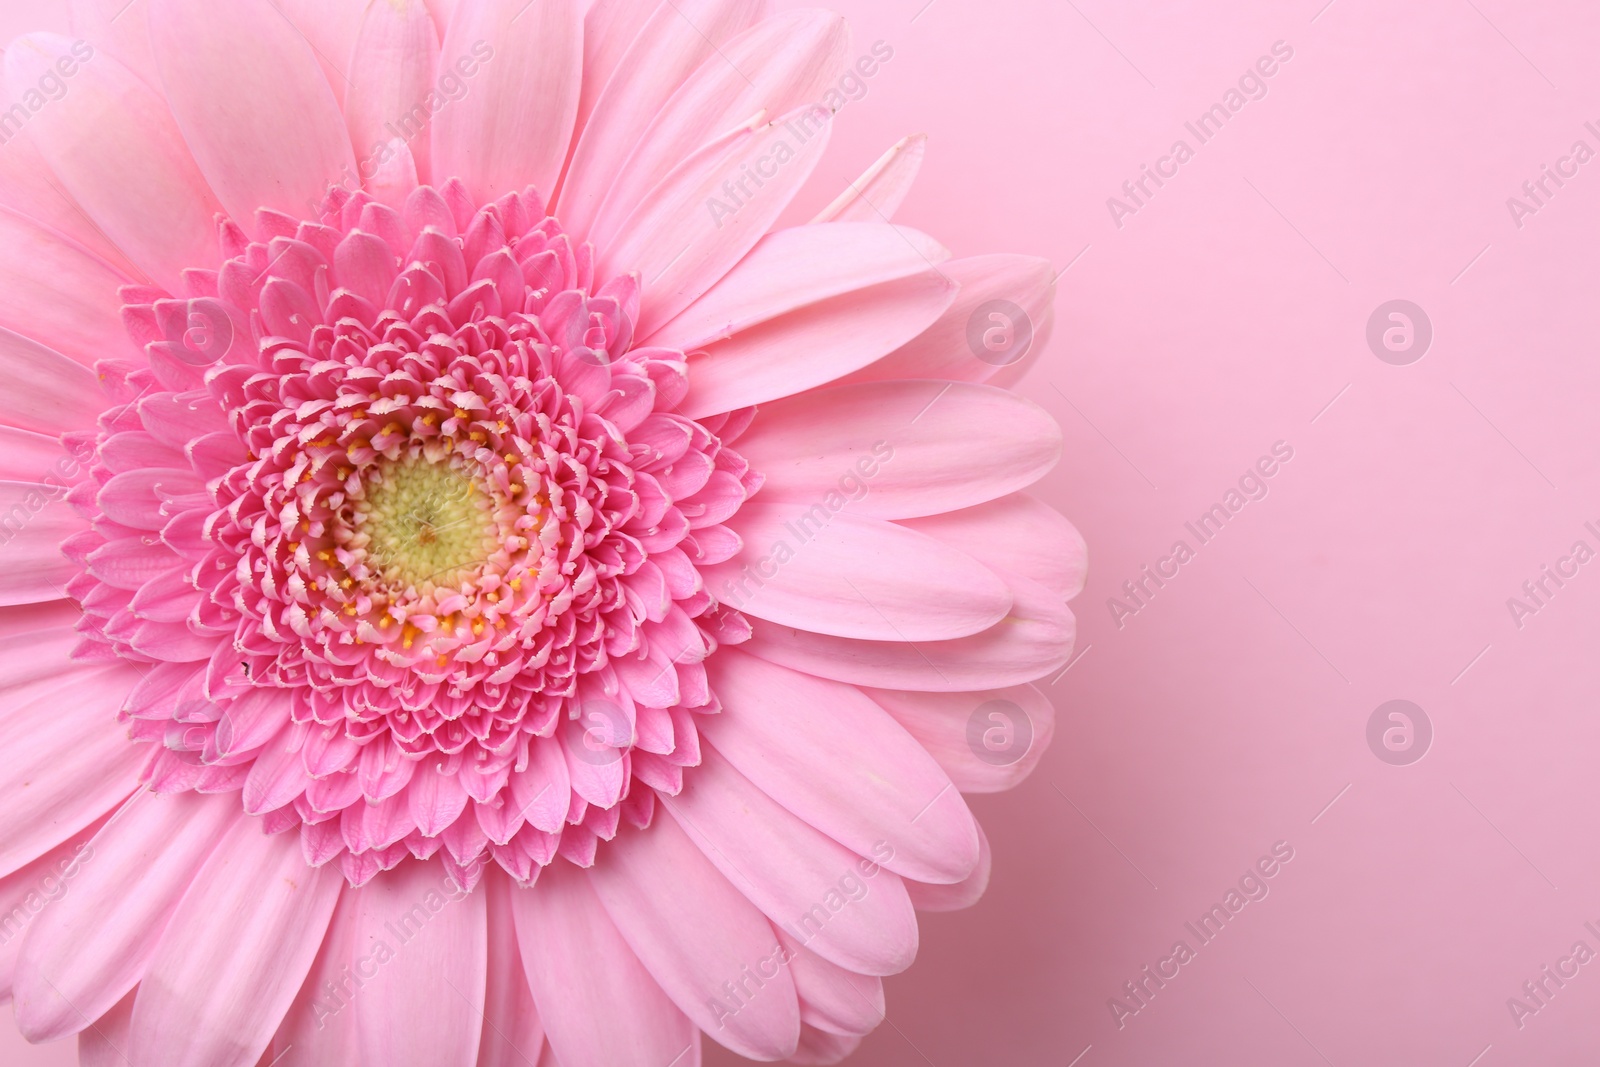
x,y
987,742
667,49
391,75
45,391
837,760
255,109
28,187
775,66
319,1029
422,1007
59,294
818,1048
693,931
66,763
1017,534
689,230
901,449
90,949
513,128
957,895
39,639
26,893
512,1033
791,269
609,30
102,1044
580,969
238,947
28,457
830,572
330,28
115,27
878,194
814,345
843,907
1033,641
116,149
833,998
968,343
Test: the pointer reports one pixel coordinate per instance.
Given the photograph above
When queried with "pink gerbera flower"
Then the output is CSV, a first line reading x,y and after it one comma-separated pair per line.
x,y
474,589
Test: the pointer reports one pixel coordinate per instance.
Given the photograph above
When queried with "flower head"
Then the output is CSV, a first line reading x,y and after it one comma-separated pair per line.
x,y
424,447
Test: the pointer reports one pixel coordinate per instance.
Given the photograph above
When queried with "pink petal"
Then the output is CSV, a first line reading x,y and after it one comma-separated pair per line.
x,y
45,391
391,75
791,269
580,969
66,762
320,1027
117,151
330,27
24,895
512,1033
28,187
808,884
609,31
878,194
28,457
830,572
512,129
238,947
666,50
59,294
818,1047
84,954
256,111
689,231
1016,534
693,931
38,639
833,998
123,34
830,755
1033,641
947,349
422,1008
901,449
775,66
101,1045
987,742
814,345
957,895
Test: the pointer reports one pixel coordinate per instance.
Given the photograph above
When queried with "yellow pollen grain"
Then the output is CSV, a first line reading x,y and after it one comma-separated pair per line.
x,y
516,487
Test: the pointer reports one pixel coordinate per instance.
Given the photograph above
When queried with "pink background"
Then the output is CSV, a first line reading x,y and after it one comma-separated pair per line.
x,y
1225,716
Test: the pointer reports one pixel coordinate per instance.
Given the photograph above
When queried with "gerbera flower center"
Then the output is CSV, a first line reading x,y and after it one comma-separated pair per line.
x,y
424,525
